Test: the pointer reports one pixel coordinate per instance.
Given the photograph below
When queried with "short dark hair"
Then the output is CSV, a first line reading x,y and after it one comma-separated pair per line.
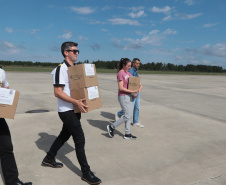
x,y
135,59
67,45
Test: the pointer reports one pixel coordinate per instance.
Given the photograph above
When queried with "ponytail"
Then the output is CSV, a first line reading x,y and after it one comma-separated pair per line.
x,y
122,62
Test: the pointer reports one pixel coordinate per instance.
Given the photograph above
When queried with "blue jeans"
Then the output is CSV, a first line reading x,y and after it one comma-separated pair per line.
x,y
136,108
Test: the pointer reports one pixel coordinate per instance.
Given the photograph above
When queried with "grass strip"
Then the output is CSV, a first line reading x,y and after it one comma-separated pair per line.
x,y
113,71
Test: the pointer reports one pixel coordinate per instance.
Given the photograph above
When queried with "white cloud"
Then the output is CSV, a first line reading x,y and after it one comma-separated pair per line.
x,y
136,14
170,32
138,32
132,45
177,57
209,25
9,30
92,21
82,37
8,47
83,10
121,21
188,59
159,51
189,2
106,8
154,38
188,16
217,50
135,9
201,55
165,10
66,35
154,32
33,31
206,62
198,61
105,30
167,18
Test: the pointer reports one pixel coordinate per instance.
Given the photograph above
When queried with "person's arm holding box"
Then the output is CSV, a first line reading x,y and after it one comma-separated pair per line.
x,y
121,88
58,92
140,88
59,81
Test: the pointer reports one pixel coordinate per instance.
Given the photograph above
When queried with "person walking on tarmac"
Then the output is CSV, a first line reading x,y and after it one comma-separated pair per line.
x,y
8,162
71,121
124,98
136,98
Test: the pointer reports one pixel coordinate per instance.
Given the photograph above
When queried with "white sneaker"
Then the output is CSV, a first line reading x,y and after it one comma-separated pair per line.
x,y
138,125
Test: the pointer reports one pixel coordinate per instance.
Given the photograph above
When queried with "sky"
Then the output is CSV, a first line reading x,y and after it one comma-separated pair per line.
x,y
169,31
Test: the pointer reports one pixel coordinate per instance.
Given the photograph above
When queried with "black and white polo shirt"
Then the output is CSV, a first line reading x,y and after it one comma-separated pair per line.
x,y
61,78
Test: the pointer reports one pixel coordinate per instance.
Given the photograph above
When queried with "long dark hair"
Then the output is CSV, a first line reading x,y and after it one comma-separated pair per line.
x,y
122,62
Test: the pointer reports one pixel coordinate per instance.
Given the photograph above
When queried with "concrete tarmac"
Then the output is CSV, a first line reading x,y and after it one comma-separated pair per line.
x,y
183,141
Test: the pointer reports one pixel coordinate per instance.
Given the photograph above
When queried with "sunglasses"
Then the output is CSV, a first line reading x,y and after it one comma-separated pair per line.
x,y
74,51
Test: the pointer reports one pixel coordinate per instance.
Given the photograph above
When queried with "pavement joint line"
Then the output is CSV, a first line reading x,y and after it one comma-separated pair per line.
x,y
209,179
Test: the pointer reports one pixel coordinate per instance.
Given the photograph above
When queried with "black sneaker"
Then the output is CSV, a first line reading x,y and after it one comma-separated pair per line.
x,y
21,183
129,136
90,178
110,131
51,163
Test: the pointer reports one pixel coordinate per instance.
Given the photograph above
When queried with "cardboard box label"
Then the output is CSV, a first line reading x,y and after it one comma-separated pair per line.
x,y
93,92
8,111
90,95
6,96
89,70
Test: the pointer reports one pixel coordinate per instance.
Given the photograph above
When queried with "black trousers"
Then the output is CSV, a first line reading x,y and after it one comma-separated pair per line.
x,y
8,163
71,127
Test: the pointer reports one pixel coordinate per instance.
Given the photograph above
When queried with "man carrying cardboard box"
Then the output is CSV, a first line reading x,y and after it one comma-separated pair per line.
x,y
136,97
8,162
84,84
71,121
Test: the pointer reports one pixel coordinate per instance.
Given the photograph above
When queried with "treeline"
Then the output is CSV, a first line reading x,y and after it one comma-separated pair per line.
x,y
189,67
27,63
159,66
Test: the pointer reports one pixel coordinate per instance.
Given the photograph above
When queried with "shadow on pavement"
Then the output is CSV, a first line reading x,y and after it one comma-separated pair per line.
x,y
44,143
107,115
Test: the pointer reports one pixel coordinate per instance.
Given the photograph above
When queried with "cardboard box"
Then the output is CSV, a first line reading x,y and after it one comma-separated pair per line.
x,y
8,111
82,75
134,83
92,96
